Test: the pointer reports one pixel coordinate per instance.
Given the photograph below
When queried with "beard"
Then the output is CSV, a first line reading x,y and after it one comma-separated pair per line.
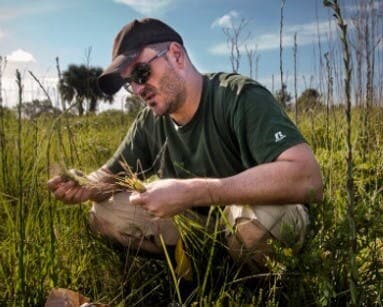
x,y
173,89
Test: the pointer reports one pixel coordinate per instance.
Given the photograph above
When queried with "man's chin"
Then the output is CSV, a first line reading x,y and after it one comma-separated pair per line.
x,y
157,112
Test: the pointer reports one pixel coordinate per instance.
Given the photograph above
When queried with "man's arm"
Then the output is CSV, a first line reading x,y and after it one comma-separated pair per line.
x,y
294,177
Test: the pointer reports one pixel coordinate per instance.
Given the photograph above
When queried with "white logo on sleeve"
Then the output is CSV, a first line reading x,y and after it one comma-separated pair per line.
x,y
279,136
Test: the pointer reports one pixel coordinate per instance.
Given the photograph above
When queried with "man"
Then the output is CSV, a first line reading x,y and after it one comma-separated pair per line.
x,y
213,139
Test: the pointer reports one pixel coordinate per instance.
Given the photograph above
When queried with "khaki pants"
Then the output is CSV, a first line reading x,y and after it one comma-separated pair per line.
x,y
119,220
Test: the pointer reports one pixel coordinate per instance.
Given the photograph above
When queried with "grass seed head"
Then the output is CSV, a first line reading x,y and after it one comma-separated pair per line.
x,y
76,176
130,180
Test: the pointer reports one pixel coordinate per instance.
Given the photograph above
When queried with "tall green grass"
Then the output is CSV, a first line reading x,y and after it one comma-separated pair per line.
x,y
59,250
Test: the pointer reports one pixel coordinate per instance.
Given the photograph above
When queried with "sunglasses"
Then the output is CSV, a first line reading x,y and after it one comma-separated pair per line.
x,y
141,72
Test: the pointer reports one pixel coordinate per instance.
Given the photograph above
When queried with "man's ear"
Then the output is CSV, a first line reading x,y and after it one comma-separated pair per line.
x,y
177,53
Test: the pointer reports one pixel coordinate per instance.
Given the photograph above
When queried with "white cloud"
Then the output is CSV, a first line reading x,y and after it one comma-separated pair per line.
x,y
226,21
2,34
147,7
20,55
306,34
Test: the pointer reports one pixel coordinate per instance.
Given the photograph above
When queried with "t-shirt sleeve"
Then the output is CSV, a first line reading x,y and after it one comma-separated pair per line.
x,y
262,128
133,150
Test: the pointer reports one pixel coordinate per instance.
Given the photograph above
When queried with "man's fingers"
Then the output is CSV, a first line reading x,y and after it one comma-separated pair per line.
x,y
70,192
54,182
140,199
62,189
73,195
83,195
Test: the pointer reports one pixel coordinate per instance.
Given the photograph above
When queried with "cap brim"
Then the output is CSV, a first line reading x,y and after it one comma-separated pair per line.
x,y
110,81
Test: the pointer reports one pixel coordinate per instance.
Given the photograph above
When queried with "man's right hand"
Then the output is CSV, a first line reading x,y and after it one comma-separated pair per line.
x,y
70,192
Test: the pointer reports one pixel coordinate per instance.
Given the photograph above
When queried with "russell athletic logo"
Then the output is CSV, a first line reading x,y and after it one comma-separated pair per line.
x,y
279,136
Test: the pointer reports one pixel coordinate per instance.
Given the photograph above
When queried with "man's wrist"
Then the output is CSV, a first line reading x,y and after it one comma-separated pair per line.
x,y
206,191
100,175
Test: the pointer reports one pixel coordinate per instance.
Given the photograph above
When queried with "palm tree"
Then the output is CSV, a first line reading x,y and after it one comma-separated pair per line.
x,y
79,83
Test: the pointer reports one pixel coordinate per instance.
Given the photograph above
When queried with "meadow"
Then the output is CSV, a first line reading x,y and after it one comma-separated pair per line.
x,y
46,244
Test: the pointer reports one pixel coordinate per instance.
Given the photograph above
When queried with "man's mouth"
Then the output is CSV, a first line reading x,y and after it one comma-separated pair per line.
x,y
147,94
149,97
151,104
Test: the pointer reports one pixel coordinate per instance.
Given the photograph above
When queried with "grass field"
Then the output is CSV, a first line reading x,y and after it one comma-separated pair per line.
x,y
46,244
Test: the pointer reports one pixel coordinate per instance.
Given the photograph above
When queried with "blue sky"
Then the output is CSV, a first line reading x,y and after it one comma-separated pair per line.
x,y
34,32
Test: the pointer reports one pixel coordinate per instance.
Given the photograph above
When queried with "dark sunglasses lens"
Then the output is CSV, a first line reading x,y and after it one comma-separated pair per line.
x,y
141,73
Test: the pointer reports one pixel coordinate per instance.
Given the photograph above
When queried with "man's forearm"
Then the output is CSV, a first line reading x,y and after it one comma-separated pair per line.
x,y
265,184
285,181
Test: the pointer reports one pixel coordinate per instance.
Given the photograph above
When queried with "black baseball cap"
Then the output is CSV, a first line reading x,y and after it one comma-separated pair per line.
x,y
128,43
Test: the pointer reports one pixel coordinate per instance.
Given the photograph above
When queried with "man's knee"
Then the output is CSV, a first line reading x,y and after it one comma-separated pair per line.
x,y
137,242
98,225
131,225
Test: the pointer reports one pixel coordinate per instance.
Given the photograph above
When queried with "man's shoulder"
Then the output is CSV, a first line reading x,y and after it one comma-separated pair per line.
x,y
236,88
233,82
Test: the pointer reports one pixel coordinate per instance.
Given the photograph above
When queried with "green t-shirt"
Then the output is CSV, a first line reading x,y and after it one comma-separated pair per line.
x,y
238,125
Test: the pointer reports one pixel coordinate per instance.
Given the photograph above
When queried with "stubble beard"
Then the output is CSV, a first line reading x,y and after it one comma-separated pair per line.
x,y
173,89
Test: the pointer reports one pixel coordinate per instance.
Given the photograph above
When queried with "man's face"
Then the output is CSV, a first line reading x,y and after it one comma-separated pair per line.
x,y
164,91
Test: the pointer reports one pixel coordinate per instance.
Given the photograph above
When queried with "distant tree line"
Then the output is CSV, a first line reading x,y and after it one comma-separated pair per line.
x,y
79,91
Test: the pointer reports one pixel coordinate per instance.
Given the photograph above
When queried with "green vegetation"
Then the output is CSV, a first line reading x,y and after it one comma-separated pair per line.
x,y
79,84
46,244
